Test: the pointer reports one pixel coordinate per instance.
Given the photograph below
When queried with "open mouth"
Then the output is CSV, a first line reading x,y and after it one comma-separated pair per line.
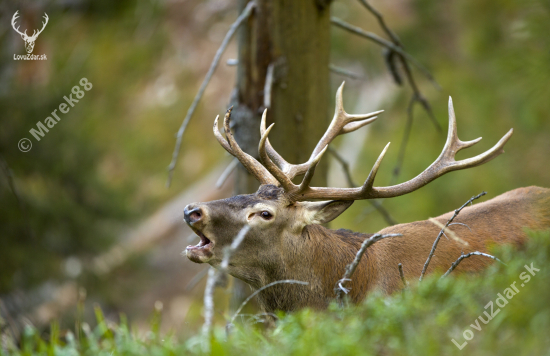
x,y
201,252
204,243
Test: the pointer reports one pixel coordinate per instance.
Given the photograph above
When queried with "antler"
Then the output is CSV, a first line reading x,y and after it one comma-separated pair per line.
x,y
230,144
43,26
275,170
342,123
443,164
13,19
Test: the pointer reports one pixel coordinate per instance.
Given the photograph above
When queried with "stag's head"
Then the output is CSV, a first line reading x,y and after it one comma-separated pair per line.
x,y
29,40
280,211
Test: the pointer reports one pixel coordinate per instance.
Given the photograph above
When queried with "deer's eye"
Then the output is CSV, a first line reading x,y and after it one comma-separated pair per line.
x,y
266,215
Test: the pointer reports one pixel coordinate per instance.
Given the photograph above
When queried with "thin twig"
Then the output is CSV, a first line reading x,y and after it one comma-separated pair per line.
x,y
457,223
449,231
227,172
404,141
382,42
268,86
375,203
350,269
196,279
417,95
402,275
344,72
213,276
243,16
291,281
395,39
434,246
463,256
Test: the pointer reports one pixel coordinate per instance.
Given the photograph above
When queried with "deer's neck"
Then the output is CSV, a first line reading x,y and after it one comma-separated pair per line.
x,y
319,257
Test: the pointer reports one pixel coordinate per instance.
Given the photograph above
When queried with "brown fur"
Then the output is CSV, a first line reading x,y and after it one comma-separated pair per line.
x,y
319,255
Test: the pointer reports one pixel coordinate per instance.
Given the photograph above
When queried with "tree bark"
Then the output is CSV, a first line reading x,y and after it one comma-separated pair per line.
x,y
293,36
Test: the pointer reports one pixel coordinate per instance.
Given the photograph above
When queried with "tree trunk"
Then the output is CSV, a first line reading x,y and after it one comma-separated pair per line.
x,y
294,37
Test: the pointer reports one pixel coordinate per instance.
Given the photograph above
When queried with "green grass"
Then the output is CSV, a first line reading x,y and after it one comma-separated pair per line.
x,y
421,320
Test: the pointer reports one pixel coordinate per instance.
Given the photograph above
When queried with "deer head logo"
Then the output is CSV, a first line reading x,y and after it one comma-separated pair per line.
x,y
29,40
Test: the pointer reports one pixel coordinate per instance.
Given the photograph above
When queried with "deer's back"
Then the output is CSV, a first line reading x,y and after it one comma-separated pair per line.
x,y
498,221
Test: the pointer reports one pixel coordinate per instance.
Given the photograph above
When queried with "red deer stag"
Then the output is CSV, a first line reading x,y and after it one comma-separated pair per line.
x,y
287,241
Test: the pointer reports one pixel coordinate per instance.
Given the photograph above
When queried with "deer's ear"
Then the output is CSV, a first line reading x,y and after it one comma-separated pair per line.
x,y
324,211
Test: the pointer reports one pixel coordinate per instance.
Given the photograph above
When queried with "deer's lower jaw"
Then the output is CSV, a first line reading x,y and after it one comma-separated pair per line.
x,y
201,252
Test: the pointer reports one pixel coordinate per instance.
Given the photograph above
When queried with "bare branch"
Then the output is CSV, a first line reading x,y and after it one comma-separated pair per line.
x,y
449,231
463,256
290,281
417,96
375,203
404,141
434,246
344,72
350,269
457,223
384,43
268,86
402,275
227,172
243,16
213,276
196,279
381,22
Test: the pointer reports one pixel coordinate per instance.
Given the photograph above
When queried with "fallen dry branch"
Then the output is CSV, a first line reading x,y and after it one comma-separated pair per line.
x,y
463,256
350,269
242,17
434,246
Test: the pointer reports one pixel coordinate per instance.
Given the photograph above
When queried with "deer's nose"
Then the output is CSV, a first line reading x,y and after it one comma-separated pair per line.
x,y
192,214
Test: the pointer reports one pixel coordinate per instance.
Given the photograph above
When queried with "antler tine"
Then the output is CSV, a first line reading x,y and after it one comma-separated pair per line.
x,y
274,155
369,182
443,164
311,170
342,123
283,179
230,145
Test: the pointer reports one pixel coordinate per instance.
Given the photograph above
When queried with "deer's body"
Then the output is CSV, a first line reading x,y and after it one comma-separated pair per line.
x,y
286,239
321,255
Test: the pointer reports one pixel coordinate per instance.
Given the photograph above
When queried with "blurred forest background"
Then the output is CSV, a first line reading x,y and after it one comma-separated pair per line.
x,y
85,216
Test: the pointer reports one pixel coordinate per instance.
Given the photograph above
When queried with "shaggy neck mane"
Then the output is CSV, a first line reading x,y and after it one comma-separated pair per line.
x,y
319,258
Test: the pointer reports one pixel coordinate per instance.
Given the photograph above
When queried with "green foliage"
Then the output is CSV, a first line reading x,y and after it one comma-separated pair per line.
x,y
421,320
